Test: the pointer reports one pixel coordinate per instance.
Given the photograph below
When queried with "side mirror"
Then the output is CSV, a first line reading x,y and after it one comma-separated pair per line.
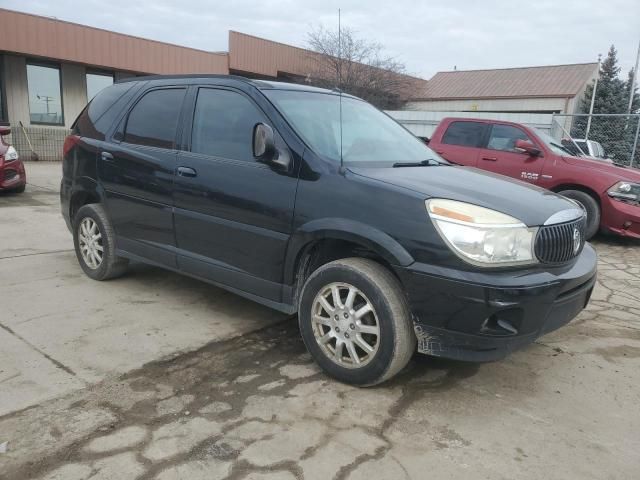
x,y
4,130
529,148
265,150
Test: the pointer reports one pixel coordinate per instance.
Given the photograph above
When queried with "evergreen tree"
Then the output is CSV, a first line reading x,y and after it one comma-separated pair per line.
x,y
612,96
635,106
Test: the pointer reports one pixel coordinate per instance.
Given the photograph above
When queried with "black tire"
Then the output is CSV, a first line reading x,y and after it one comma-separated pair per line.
x,y
20,189
111,266
396,340
590,205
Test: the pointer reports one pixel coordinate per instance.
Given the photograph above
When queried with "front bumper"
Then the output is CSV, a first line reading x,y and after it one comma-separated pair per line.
x,y
483,316
12,175
620,218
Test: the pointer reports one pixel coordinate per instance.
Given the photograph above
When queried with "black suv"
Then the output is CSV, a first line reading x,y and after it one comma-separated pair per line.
x,y
313,201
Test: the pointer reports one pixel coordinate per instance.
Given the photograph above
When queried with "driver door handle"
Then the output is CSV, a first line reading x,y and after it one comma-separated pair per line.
x,y
187,172
490,159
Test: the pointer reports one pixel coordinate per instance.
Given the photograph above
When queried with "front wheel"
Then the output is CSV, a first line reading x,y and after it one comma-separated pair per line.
x,y
590,206
355,321
94,243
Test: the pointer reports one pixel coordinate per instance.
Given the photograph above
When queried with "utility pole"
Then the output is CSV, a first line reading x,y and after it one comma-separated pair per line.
x,y
593,99
46,99
633,80
339,53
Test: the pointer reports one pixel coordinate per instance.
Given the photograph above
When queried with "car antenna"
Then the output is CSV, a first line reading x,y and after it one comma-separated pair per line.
x,y
337,89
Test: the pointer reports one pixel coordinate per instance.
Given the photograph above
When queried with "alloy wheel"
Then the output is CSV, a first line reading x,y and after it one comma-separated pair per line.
x,y
345,325
90,242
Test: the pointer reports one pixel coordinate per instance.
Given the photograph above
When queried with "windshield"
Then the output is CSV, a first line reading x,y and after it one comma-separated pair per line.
x,y
367,136
554,145
582,145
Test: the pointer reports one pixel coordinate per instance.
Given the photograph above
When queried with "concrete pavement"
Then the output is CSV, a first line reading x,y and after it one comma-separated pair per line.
x,y
113,395
61,331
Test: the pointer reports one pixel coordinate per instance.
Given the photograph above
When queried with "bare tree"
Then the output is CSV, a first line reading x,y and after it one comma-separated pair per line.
x,y
357,66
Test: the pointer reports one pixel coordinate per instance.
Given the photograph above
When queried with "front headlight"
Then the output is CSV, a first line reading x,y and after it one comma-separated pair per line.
x,y
482,236
625,191
10,155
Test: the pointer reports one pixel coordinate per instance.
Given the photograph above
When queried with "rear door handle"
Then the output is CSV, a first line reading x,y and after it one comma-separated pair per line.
x,y
490,159
187,172
106,156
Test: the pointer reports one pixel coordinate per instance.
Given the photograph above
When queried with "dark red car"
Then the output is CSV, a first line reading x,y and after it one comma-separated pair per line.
x,y
610,194
12,174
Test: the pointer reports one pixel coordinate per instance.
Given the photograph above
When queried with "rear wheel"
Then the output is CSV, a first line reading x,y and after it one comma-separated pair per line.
x,y
355,321
94,243
589,204
20,189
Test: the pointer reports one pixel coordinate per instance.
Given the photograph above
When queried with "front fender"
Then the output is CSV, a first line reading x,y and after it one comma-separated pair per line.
x,y
343,229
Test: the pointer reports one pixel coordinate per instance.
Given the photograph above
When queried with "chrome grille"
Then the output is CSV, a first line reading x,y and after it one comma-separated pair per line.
x,y
557,243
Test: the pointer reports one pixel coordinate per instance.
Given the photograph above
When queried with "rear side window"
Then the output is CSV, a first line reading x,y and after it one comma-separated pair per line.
x,y
503,137
86,123
466,134
223,124
154,119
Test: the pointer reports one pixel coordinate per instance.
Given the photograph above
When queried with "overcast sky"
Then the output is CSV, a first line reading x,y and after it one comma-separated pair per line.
x,y
427,36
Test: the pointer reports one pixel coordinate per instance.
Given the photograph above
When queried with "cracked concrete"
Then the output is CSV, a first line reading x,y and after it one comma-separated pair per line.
x,y
256,407
60,331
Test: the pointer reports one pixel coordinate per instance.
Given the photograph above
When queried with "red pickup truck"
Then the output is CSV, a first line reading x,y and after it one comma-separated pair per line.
x,y
609,194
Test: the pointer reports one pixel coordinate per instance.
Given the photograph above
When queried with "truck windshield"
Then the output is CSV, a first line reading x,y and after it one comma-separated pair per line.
x,y
359,135
582,145
554,145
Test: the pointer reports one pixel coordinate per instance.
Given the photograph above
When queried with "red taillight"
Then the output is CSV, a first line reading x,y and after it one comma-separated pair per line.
x,y
69,142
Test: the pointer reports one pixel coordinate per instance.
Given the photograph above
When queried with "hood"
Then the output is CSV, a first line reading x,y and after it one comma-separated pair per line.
x,y
622,173
530,204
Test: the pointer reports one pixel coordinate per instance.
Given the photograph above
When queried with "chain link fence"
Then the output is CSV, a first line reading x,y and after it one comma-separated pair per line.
x,y
616,134
45,142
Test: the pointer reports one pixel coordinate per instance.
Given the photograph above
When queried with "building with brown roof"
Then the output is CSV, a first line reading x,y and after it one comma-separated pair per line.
x,y
545,89
50,68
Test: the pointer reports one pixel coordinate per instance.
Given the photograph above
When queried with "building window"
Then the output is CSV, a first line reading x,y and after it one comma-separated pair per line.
x,y
45,94
96,82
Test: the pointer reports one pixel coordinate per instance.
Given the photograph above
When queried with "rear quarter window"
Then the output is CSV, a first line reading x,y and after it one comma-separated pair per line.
x,y
94,119
466,134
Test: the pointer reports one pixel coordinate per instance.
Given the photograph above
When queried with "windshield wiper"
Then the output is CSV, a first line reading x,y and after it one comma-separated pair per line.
x,y
429,162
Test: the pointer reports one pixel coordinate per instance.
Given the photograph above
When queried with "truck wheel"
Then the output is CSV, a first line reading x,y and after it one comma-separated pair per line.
x,y
355,321
590,206
94,242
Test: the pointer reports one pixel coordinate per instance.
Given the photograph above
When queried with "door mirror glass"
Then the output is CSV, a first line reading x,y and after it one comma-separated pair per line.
x,y
263,142
524,146
265,150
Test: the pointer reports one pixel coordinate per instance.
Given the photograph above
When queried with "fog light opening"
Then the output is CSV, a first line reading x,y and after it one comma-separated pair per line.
x,y
494,325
